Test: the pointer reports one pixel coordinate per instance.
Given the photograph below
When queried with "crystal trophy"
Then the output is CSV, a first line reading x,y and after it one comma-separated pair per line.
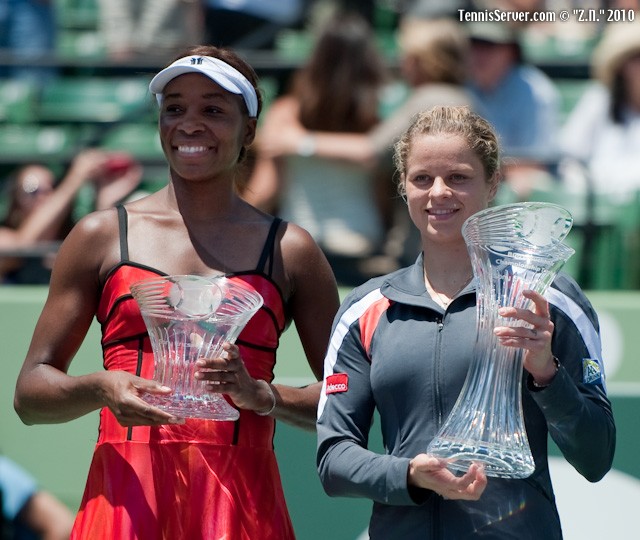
x,y
190,317
512,247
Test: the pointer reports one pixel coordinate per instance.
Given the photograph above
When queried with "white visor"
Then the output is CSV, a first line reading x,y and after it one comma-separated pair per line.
x,y
218,71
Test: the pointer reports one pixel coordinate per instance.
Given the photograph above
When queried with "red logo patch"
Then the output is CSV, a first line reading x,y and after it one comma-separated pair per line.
x,y
338,382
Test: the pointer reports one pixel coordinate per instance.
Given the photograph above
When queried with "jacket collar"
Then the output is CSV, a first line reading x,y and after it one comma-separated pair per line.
x,y
407,286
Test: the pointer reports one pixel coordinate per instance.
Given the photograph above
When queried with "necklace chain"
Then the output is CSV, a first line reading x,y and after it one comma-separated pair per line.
x,y
442,298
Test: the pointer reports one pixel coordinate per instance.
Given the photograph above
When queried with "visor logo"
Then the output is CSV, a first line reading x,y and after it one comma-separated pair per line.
x,y
196,61
338,382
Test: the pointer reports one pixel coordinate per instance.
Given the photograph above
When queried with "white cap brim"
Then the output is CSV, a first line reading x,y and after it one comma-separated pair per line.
x,y
218,71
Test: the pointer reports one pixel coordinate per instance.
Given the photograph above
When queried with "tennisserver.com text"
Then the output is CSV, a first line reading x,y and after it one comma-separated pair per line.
x,y
578,15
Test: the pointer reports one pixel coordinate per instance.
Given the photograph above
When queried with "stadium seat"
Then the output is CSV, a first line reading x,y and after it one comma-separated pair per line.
x,y
77,14
33,142
95,100
140,140
80,44
17,100
605,235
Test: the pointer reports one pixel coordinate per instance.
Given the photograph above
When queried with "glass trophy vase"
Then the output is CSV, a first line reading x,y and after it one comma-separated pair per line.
x,y
512,248
191,317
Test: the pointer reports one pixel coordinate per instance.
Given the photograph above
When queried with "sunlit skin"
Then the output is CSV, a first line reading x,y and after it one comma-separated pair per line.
x,y
201,128
445,184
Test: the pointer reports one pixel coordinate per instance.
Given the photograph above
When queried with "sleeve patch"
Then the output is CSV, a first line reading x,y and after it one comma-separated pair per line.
x,y
338,382
591,372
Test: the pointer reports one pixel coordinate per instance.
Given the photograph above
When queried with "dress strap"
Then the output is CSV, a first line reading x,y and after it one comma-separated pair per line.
x,y
123,230
269,248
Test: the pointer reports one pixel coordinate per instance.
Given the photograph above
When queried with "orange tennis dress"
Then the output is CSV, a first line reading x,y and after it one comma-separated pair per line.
x,y
202,480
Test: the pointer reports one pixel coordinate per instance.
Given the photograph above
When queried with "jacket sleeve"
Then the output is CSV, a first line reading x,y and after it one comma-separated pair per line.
x,y
576,407
346,466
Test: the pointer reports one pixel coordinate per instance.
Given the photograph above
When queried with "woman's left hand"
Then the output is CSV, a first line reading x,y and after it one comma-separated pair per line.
x,y
227,374
534,337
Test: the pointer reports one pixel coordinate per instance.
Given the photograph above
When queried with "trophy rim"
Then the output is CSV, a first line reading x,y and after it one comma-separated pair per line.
x,y
158,306
503,210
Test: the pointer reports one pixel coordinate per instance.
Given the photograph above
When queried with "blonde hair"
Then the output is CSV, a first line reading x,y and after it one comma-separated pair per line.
x,y
439,47
458,120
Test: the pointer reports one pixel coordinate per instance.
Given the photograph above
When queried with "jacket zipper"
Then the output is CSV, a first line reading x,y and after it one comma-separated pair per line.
x,y
435,521
436,369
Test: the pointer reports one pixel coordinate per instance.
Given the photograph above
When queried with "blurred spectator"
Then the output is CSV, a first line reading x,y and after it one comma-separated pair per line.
x,y
28,32
433,60
520,101
157,27
603,130
433,63
29,512
338,90
39,214
249,24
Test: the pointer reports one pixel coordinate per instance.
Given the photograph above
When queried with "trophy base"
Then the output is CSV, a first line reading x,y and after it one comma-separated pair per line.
x,y
214,407
498,462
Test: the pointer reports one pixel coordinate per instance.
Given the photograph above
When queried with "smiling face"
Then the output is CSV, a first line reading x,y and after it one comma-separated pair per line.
x,y
445,183
203,127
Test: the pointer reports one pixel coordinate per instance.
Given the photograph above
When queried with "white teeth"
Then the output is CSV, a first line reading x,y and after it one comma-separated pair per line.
x,y
441,211
191,149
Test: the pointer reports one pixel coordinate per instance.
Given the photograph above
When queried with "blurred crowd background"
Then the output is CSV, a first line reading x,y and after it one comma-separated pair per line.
x,y
341,79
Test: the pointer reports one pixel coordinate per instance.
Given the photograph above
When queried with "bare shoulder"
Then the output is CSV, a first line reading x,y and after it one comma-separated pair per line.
x,y
93,242
304,262
296,242
96,226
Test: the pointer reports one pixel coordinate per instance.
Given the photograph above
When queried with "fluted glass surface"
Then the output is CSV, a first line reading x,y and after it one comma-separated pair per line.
x,y
512,248
189,317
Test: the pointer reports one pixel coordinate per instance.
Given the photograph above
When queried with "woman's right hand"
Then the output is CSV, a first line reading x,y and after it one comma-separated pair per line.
x,y
122,393
431,473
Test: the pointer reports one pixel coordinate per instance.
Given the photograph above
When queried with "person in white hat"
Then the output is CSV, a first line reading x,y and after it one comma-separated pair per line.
x,y
603,129
155,475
